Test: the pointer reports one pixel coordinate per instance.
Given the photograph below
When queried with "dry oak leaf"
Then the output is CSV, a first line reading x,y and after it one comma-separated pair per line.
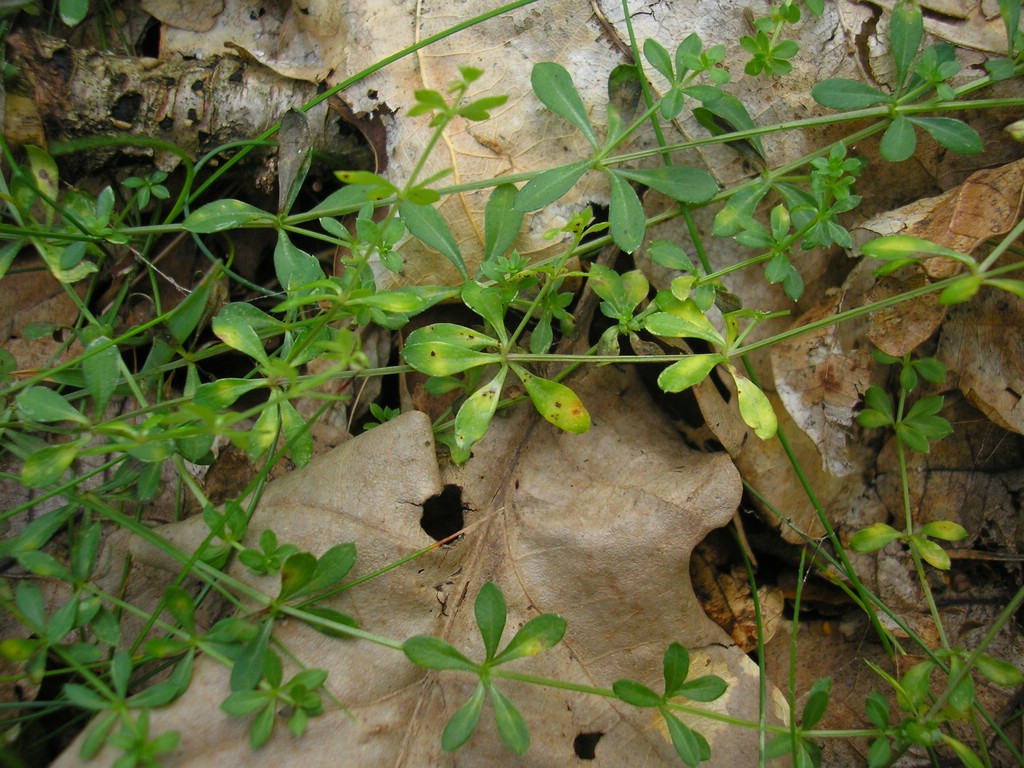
x,y
597,528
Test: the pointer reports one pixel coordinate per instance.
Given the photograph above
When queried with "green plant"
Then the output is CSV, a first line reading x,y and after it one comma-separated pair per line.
x,y
99,466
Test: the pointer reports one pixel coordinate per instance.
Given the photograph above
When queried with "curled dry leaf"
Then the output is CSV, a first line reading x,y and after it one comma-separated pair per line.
x,y
596,527
982,342
986,205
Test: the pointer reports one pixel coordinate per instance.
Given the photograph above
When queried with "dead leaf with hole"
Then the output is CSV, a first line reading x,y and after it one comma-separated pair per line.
x,y
597,527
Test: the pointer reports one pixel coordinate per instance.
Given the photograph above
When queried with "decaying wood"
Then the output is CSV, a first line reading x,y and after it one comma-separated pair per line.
x,y
196,104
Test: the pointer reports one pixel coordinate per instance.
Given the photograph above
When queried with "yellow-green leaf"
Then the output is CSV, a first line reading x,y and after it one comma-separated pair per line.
x,y
755,409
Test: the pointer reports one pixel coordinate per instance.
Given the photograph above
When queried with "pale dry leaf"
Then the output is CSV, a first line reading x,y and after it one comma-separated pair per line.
x,y
521,136
185,14
821,377
597,528
976,25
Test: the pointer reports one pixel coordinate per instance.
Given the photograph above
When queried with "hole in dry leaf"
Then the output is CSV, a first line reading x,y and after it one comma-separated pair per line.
x,y
585,745
442,514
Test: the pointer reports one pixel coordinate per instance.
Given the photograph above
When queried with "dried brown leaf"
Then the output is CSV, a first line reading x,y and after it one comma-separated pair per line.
x,y
597,528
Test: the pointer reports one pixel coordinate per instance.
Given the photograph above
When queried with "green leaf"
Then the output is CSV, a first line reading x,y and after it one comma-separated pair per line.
x,y
555,402
1010,11
218,395
248,668
554,87
85,698
840,93
703,688
931,552
450,333
434,653
36,533
491,612
101,371
544,188
683,739
998,671
755,408
873,538
961,290
738,211
659,58
44,406
159,695
904,246
817,703
671,326
438,358
121,672
727,114
337,617
944,529
967,757
535,636
238,325
43,565
97,735
475,415
691,370
73,12
425,223
680,182
626,214
899,140
262,726
295,269
1016,287
637,694
296,434
462,724
48,464
511,725
296,573
955,135
179,604
486,302
914,686
225,214
906,28
331,567
502,221
877,708
879,753
675,668
669,255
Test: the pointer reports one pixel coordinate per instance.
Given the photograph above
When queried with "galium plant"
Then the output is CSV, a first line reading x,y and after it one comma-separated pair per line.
x,y
99,466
